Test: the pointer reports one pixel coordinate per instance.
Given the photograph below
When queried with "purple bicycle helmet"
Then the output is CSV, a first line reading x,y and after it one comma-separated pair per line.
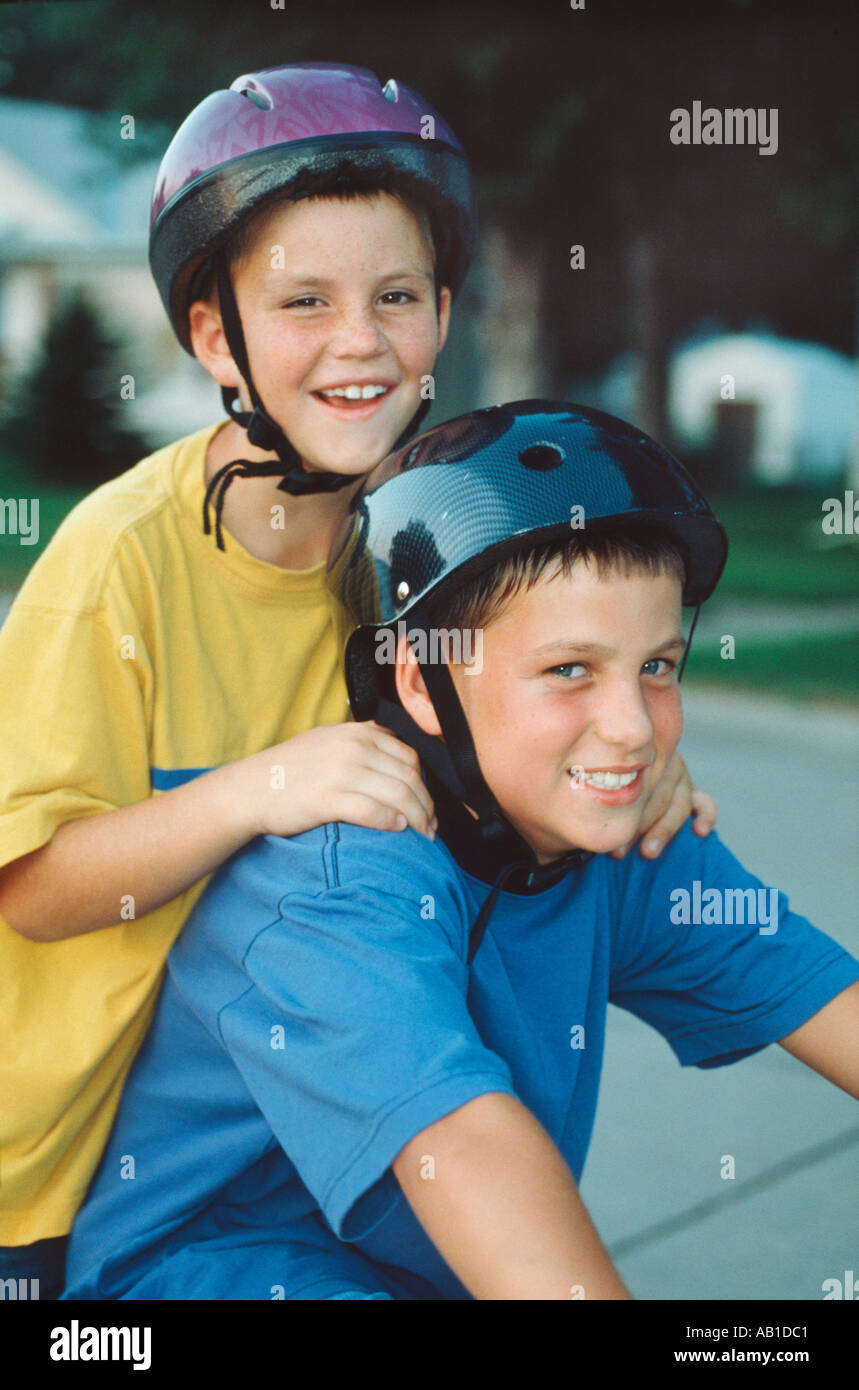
x,y
247,143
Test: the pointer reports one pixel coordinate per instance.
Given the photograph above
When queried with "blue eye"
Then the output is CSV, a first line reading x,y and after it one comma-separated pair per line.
x,y
658,661
567,667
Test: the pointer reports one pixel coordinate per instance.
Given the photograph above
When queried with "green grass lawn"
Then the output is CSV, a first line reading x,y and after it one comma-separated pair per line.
x,y
772,550
770,534
821,667
54,504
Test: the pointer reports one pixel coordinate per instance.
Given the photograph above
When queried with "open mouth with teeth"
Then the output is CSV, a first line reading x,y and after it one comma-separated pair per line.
x,y
353,396
608,787
605,781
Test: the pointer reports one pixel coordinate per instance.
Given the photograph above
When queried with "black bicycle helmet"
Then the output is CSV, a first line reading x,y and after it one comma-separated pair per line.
x,y
462,496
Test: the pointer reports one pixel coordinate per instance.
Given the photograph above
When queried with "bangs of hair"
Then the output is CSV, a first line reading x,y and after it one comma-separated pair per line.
x,y
346,183
632,549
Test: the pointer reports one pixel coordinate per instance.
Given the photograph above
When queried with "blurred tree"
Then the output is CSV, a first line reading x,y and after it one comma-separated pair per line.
x,y
566,115
65,425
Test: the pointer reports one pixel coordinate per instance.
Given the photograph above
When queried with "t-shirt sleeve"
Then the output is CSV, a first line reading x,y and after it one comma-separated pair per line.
x,y
714,959
355,1032
73,700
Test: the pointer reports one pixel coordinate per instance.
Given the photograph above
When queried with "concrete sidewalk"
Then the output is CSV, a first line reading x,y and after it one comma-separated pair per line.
x,y
786,780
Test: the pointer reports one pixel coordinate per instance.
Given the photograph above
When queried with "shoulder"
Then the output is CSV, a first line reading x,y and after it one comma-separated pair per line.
x,y
398,863
110,534
685,854
380,874
643,891
698,893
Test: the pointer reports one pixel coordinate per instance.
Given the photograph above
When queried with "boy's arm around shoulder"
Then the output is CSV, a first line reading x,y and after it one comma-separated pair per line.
x,y
81,833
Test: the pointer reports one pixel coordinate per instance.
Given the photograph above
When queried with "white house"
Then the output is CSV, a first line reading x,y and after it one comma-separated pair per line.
x,y
73,219
790,408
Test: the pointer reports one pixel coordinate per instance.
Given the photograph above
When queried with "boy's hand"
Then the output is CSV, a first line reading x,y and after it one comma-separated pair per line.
x,y
358,773
668,807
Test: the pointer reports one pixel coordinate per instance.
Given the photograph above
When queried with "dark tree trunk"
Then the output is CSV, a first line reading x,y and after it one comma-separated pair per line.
x,y
648,337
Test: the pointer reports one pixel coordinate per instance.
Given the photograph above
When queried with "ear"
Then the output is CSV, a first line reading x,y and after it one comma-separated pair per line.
x,y
412,691
209,342
444,303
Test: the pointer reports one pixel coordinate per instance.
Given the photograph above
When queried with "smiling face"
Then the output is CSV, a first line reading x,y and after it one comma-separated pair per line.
x,y
576,709
337,303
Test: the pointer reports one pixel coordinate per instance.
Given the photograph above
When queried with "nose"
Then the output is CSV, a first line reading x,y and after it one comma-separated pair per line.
x,y
622,719
357,333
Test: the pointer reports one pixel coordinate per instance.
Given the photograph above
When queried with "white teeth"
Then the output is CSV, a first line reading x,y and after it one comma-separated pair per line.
x,y
605,781
356,393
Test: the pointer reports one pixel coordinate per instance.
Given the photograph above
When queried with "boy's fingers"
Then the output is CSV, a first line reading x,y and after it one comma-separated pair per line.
x,y
705,812
656,836
400,761
392,793
400,771
665,812
360,809
389,743
379,815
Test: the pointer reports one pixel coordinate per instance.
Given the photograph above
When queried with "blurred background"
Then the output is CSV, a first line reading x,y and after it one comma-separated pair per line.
x,y
716,305
714,299
714,302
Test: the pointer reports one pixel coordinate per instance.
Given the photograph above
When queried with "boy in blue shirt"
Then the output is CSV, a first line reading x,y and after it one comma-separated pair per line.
x,y
374,1067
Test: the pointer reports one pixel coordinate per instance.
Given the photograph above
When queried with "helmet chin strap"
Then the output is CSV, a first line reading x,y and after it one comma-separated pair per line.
x,y
263,431
454,761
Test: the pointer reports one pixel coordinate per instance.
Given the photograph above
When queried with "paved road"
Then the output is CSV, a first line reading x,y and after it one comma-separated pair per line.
x,y
761,618
786,780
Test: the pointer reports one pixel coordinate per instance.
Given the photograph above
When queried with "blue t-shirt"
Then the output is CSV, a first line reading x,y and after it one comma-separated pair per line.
x,y
318,1013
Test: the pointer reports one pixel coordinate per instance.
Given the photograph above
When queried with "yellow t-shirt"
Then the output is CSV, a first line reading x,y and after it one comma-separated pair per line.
x,y
136,656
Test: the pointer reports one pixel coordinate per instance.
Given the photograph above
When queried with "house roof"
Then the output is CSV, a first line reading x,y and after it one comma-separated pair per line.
x,y
61,188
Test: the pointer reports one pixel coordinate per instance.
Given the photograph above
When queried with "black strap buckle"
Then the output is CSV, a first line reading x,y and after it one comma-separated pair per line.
x,y
262,430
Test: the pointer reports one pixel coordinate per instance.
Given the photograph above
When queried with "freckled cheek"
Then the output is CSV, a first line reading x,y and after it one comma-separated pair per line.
x,y
544,729
285,358
415,344
666,714
500,729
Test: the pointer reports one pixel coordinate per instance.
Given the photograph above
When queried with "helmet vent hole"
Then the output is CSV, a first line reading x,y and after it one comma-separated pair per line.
x,y
391,91
542,456
264,103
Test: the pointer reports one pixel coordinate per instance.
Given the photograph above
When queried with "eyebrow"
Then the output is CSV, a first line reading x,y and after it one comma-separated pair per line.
x,y
675,642
323,282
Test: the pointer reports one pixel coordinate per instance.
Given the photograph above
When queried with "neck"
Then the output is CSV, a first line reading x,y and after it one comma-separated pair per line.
x,y
293,532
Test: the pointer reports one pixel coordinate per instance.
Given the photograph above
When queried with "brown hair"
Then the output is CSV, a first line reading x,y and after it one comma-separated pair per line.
x,y
625,549
346,182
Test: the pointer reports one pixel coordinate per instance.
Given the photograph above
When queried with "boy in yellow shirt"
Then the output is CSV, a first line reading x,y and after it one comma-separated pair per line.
x,y
167,694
